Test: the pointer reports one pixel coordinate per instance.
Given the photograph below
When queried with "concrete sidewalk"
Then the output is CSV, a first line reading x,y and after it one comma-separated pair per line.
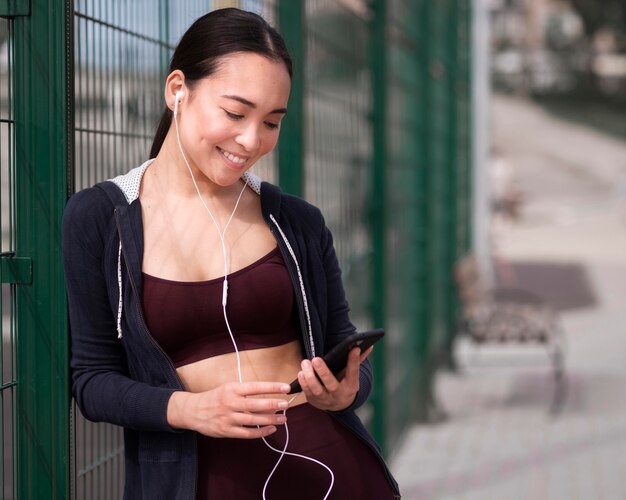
x,y
500,441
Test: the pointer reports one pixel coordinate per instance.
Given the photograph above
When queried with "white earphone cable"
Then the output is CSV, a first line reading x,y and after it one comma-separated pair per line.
x,y
284,452
221,234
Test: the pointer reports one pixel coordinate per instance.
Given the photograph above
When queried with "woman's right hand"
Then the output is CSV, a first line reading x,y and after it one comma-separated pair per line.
x,y
229,411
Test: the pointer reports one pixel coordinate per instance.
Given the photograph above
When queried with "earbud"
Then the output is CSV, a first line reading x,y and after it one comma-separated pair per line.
x,y
178,98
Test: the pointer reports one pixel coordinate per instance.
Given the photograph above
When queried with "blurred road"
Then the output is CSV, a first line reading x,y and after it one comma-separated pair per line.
x,y
499,440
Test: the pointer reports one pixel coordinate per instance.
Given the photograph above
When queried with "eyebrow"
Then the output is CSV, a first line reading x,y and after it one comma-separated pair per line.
x,y
250,104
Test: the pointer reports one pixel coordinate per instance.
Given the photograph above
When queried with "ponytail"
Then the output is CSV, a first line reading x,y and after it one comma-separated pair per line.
x,y
161,132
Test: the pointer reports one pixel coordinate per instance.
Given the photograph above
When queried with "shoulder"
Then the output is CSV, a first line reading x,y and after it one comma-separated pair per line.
x,y
96,204
88,219
88,205
291,208
130,182
309,213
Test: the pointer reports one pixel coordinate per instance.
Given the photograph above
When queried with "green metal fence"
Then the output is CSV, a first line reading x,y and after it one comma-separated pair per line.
x,y
460,220
406,168
8,376
35,154
381,145
337,140
377,136
119,50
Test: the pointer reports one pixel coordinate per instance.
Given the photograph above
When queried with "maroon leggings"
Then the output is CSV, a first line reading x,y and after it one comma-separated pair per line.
x,y
238,468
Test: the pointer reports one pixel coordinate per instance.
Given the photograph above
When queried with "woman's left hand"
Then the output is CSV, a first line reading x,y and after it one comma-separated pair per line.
x,y
331,393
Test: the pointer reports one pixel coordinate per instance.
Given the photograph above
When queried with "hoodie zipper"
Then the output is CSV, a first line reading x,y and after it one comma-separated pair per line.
x,y
295,281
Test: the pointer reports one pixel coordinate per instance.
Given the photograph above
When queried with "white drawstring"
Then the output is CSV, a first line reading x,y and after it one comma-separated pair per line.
x,y
119,285
302,289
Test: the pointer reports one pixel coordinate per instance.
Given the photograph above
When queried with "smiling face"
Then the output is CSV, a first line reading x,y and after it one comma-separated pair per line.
x,y
232,118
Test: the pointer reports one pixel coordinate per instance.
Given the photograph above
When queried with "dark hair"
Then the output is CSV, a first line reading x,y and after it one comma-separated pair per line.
x,y
213,36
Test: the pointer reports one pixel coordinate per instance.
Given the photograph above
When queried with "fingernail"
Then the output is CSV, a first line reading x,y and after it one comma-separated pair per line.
x,y
317,362
281,419
283,404
285,387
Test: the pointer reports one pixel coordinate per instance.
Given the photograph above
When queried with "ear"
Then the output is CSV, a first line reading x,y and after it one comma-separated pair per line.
x,y
174,84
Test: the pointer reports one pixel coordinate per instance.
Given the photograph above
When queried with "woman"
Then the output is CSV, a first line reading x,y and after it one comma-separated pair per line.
x,y
197,294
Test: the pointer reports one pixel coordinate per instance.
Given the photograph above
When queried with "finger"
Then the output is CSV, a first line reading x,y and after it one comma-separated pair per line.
x,y
365,354
255,419
260,405
312,383
352,368
251,432
325,375
304,385
256,388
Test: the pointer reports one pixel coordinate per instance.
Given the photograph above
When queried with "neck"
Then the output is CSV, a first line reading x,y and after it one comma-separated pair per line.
x,y
171,171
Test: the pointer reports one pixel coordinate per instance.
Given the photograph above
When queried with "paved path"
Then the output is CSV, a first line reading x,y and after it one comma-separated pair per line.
x,y
500,442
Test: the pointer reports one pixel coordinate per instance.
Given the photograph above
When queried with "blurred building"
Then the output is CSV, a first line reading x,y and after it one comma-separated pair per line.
x,y
540,47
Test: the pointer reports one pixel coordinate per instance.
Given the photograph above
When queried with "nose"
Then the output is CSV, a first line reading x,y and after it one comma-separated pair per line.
x,y
249,138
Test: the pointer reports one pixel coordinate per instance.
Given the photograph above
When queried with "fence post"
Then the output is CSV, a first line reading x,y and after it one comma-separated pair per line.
x,y
452,173
43,138
465,124
291,144
377,204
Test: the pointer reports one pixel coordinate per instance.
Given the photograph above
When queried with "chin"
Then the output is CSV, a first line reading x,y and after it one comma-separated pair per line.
x,y
230,178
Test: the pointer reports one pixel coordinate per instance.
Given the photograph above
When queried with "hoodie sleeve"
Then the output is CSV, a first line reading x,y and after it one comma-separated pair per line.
x,y
339,325
101,383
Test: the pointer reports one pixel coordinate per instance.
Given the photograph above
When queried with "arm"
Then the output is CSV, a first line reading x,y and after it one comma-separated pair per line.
x,y
101,383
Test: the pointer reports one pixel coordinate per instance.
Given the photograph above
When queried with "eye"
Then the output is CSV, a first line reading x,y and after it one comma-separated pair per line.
x,y
272,126
232,116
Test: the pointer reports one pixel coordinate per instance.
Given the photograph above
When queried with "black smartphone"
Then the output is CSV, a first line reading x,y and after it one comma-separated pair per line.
x,y
337,358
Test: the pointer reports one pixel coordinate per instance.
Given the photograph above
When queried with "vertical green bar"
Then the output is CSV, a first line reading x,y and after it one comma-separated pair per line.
x,y
377,202
465,45
291,143
422,391
43,135
455,98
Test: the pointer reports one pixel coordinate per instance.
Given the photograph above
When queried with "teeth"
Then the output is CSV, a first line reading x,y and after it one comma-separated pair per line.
x,y
232,157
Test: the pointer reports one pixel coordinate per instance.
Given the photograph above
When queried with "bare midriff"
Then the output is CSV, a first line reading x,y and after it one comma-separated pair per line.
x,y
268,364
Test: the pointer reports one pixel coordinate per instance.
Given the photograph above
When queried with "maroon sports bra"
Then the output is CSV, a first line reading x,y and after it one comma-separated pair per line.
x,y
186,318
